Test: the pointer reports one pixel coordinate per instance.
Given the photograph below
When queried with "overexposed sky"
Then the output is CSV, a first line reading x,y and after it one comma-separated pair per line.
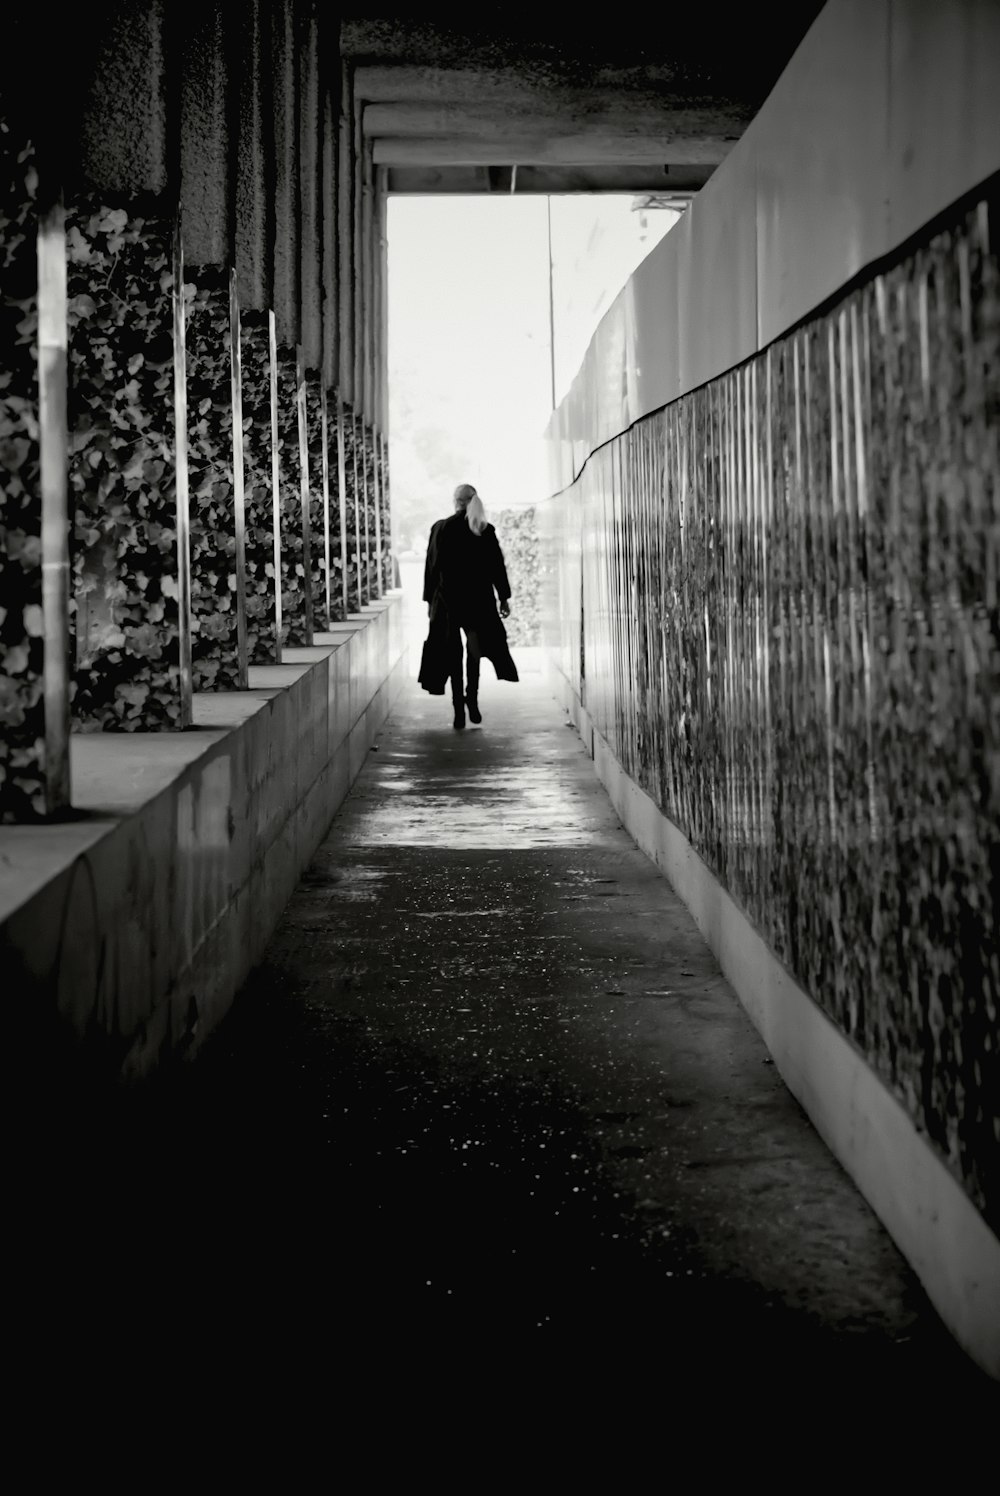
x,y
469,318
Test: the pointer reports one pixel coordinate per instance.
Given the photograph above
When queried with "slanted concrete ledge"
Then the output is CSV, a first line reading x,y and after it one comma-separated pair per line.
x,y
923,1207
134,926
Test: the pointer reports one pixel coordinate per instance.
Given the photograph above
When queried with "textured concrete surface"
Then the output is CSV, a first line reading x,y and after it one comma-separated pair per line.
x,y
487,1118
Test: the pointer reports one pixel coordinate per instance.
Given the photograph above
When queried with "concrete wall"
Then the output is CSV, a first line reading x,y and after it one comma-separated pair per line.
x,y
888,112
132,927
770,580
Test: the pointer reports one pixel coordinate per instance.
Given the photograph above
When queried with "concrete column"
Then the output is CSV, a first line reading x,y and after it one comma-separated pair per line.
x,y
253,186
357,258
285,128
121,142
345,239
310,126
328,212
330,312
203,59
368,251
381,301
206,48
382,371
118,145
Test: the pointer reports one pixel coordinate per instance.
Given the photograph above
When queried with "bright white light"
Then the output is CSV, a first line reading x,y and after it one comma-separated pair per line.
x,y
469,353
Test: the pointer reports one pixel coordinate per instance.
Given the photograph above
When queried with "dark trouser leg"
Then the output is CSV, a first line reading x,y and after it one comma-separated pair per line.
x,y
472,664
472,667
456,652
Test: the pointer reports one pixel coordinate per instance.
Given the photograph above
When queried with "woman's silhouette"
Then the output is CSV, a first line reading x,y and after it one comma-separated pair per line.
x,y
463,576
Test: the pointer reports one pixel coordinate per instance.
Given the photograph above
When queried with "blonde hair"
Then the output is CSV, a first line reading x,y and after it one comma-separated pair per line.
x,y
466,498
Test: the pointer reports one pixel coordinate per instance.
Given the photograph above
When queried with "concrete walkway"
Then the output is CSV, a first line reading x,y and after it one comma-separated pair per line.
x,y
489,1092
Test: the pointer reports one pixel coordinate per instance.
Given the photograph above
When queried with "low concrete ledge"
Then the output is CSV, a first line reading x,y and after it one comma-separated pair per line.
x,y
923,1207
134,925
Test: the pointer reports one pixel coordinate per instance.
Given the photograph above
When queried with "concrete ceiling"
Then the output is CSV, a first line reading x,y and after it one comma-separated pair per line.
x,y
499,103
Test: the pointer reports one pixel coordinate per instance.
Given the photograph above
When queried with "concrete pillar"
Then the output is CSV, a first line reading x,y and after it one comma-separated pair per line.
x,y
329,215
121,158
345,239
381,364
122,140
357,257
205,53
368,249
203,59
310,124
286,190
253,186
330,314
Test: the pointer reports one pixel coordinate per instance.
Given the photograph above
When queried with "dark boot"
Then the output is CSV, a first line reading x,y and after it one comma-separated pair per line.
x,y
472,694
459,707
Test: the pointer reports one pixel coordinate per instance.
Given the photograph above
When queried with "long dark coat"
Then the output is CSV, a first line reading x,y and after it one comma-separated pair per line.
x,y
463,575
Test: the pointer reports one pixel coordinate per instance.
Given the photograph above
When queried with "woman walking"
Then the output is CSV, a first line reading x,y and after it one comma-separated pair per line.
x,y
463,577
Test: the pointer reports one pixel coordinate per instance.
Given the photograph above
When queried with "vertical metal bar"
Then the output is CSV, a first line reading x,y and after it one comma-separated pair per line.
x,y
356,423
183,502
390,579
239,496
368,542
342,499
56,519
379,568
275,482
300,405
326,506
382,408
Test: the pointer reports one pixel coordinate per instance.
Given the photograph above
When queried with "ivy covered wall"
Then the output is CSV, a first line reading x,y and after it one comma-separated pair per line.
x,y
214,652
218,135
22,718
122,468
517,532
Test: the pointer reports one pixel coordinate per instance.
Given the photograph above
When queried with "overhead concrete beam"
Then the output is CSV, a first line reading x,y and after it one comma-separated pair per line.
x,y
565,113
562,150
640,92
433,180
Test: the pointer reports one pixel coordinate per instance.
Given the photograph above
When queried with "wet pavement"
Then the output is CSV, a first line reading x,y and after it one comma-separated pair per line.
x,y
488,1099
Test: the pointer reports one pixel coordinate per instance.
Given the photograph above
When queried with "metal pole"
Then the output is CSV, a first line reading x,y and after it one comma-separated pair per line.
x,y
342,500
325,426
552,319
56,518
275,482
239,493
379,568
300,402
183,503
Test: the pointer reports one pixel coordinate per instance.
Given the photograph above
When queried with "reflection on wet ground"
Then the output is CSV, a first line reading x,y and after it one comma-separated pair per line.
x,y
489,1098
